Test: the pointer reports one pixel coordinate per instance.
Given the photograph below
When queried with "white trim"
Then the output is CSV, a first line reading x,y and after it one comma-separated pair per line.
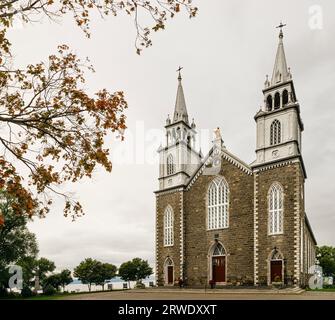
x,y
279,164
226,156
181,269
297,230
157,242
256,229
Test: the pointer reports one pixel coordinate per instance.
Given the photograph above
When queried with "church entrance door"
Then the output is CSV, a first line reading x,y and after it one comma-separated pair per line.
x,y
219,269
276,270
170,274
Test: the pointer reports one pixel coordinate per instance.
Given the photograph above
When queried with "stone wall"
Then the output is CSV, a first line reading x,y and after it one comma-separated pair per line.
x,y
288,243
237,239
171,198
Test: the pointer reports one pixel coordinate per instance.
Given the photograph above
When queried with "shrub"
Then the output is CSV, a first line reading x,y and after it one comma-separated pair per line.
x,y
26,292
139,285
49,290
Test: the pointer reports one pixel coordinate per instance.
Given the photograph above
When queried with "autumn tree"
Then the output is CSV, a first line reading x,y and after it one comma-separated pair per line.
x,y
50,125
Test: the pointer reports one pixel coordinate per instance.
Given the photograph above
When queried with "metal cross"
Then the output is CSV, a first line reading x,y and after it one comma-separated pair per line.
x,y
179,69
281,26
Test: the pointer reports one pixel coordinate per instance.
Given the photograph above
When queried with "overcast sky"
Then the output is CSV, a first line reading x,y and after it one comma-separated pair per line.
x,y
226,52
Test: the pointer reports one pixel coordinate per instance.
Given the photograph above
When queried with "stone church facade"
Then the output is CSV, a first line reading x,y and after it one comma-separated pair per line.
x,y
220,220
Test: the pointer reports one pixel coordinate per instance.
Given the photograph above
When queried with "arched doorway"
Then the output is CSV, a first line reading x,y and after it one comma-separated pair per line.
x,y
218,263
169,272
276,266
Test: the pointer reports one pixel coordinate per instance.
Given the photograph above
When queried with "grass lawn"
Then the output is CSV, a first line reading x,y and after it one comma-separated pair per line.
x,y
322,290
56,296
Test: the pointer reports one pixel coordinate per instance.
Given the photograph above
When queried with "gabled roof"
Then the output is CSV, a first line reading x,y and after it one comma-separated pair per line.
x,y
225,154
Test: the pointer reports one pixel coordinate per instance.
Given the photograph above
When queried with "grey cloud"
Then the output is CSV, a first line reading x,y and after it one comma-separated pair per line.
x,y
226,53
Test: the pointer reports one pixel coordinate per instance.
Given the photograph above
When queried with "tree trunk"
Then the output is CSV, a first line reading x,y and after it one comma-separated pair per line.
x,y
128,284
89,287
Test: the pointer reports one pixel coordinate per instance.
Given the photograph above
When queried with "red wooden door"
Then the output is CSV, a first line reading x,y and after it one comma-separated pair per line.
x,y
219,269
170,274
276,271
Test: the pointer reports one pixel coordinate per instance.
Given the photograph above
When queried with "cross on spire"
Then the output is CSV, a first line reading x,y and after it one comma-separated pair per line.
x,y
178,70
281,26
280,70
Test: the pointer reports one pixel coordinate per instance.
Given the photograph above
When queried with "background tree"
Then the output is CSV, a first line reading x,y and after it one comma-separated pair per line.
x,y
16,242
87,272
15,239
65,278
58,280
53,281
326,257
135,270
49,123
105,271
33,268
43,266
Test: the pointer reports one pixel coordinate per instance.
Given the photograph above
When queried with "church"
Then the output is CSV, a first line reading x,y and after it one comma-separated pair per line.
x,y
222,221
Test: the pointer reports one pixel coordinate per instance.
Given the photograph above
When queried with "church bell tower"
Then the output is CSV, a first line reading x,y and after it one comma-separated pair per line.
x,y
279,178
178,158
279,124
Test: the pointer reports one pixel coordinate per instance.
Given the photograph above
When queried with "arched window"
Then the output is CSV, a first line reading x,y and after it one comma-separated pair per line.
x,y
269,103
218,250
168,227
276,255
275,132
170,165
277,101
285,97
218,199
189,140
276,208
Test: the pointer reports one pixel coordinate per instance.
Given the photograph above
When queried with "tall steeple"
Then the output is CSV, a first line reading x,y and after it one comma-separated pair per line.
x,y
180,111
178,157
280,71
279,124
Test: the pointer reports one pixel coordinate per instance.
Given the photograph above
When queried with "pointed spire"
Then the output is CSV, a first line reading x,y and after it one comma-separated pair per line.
x,y
180,111
280,70
193,124
168,120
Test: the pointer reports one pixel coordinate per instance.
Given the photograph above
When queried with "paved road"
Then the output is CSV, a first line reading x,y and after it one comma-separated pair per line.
x,y
151,295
